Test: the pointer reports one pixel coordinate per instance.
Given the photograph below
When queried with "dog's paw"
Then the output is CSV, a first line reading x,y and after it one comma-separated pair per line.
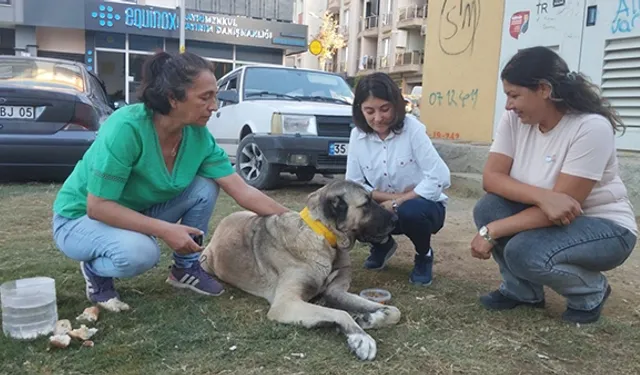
x,y
386,316
114,305
362,345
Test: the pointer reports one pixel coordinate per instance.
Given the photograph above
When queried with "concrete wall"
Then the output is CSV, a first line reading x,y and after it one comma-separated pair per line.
x,y
466,162
462,50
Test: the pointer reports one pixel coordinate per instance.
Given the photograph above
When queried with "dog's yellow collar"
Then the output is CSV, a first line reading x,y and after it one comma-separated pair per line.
x,y
318,227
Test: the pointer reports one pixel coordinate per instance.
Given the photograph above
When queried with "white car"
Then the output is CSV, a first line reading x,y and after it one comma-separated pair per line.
x,y
275,119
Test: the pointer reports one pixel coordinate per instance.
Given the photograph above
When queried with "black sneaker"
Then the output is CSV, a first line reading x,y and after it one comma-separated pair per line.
x,y
497,301
588,316
380,254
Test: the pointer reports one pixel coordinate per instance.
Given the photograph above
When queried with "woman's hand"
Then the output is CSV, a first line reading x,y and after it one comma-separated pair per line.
x,y
178,238
481,248
388,205
560,208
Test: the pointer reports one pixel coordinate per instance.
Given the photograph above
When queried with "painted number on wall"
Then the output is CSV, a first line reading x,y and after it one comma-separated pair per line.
x,y
444,135
454,98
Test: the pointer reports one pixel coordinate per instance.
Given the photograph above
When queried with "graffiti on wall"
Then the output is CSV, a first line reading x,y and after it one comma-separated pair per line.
x,y
626,16
459,21
454,98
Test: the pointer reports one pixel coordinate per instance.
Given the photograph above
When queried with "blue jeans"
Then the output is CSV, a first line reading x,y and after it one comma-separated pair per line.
x,y
568,259
418,219
121,253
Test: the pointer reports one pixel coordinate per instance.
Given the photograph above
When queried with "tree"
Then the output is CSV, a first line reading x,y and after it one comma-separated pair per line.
x,y
328,37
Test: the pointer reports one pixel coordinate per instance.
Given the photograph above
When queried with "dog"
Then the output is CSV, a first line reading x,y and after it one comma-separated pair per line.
x,y
296,259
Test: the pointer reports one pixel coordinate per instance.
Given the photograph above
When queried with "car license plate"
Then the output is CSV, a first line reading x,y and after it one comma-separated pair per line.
x,y
338,148
17,112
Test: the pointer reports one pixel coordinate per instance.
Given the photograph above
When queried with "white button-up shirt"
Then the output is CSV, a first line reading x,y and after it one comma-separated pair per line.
x,y
400,161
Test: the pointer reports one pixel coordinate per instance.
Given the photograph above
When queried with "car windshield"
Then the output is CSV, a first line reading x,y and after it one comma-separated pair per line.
x,y
292,84
29,72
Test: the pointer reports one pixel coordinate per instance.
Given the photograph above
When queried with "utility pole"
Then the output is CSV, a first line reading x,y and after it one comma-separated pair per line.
x,y
182,22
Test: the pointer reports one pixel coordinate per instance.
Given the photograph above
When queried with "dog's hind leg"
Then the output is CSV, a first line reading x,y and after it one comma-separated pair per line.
x,y
290,309
368,314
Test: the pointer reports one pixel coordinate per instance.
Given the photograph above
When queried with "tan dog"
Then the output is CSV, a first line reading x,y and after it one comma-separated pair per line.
x,y
293,258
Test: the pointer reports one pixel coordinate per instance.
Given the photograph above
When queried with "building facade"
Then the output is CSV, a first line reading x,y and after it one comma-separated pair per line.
x,y
308,12
463,98
382,35
461,69
113,38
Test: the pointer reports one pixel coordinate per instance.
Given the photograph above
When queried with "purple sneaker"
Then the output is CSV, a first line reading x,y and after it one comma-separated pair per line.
x,y
101,291
196,279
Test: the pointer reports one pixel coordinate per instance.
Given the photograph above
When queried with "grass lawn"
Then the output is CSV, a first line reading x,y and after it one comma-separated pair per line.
x,y
443,329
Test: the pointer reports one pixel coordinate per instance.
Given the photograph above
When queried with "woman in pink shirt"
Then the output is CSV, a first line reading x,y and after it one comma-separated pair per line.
x,y
556,212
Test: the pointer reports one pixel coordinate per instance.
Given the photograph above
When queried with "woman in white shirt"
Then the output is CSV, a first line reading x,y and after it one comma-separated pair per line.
x,y
557,212
391,155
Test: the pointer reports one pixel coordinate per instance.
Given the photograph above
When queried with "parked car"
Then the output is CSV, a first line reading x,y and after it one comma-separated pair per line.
x,y
275,119
50,112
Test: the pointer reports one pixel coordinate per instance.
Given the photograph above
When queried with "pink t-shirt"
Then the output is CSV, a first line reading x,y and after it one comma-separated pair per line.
x,y
581,145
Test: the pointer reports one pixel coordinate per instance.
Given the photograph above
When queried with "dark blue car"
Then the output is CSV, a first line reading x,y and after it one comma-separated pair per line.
x,y
50,113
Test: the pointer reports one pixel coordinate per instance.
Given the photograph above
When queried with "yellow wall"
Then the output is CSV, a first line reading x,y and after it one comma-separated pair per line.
x,y
461,68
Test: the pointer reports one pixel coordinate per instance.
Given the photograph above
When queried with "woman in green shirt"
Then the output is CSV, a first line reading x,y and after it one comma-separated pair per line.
x,y
153,164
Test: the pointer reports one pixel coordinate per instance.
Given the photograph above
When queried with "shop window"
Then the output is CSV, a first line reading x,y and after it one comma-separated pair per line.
x,y
62,55
110,40
145,43
221,68
259,55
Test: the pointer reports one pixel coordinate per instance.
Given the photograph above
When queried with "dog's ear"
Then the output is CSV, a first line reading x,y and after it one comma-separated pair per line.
x,y
335,208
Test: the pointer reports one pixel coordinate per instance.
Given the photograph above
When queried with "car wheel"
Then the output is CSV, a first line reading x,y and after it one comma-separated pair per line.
x,y
305,175
253,166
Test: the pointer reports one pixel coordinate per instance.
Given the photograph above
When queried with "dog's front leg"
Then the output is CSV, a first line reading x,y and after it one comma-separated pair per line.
x,y
290,309
368,314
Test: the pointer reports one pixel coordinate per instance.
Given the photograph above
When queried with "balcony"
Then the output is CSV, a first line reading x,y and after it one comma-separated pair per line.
x,y
412,16
408,62
333,6
344,31
386,21
383,63
368,65
329,66
369,26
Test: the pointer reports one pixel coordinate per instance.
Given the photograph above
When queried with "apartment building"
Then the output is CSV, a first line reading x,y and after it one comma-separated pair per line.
x,y
307,12
114,37
382,35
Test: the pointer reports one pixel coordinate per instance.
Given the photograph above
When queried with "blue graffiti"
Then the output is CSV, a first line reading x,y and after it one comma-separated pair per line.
x,y
625,18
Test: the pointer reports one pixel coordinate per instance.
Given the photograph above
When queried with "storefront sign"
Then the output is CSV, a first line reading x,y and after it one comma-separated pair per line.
x,y
164,22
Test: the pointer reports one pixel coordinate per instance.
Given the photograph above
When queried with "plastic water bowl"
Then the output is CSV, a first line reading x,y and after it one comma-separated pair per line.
x,y
29,307
376,295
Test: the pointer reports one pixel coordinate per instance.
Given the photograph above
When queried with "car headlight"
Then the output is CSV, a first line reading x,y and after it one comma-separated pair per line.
x,y
293,124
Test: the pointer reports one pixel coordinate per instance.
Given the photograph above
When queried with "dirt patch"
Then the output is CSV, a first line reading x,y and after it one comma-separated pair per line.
x,y
453,260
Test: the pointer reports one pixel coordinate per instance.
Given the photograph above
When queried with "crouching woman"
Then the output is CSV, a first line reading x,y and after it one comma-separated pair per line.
x,y
557,213
153,164
391,155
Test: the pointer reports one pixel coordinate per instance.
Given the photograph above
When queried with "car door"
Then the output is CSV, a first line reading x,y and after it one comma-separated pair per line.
x,y
224,124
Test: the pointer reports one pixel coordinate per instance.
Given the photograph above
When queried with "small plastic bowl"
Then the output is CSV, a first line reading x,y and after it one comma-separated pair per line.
x,y
376,295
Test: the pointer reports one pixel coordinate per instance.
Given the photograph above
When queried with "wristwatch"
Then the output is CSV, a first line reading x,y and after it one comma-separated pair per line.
x,y
484,233
394,205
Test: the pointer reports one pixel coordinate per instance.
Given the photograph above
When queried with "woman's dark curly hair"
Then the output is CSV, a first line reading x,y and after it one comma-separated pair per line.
x,y
167,76
570,91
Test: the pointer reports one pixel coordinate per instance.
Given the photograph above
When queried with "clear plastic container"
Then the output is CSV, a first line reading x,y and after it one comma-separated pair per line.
x,y
29,307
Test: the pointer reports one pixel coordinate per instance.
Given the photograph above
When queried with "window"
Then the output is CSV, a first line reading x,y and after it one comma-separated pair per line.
x,y
272,82
29,72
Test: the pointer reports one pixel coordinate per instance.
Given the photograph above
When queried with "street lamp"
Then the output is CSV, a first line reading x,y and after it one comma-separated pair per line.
x,y
182,21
